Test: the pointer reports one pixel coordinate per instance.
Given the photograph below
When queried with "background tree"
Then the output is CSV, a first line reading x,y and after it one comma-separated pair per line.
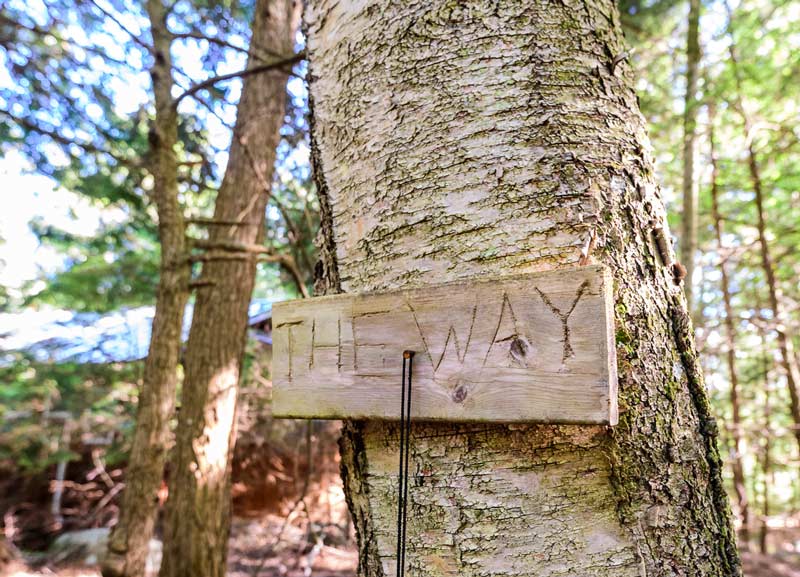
x,y
730,339
198,509
688,237
64,116
765,62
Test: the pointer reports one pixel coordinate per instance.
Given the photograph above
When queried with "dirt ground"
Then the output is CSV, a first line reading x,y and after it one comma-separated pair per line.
x,y
756,565
340,563
255,552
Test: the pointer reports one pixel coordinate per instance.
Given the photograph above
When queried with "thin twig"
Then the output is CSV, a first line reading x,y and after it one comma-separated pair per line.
x,y
208,83
61,40
203,221
135,37
225,44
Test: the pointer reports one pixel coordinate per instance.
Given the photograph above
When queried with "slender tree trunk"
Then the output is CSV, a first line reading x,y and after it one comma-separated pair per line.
x,y
785,344
739,485
459,140
128,545
198,509
688,242
766,465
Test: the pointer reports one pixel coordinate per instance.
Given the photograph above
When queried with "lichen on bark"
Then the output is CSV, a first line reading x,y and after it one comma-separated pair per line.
x,y
456,140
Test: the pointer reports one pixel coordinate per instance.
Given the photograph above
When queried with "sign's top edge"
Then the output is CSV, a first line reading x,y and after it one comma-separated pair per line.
x,y
481,280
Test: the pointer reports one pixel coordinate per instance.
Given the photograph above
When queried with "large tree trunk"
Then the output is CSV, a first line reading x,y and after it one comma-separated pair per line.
x,y
456,140
737,465
688,240
198,509
128,545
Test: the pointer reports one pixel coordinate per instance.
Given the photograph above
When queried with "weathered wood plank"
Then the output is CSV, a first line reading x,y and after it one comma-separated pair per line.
x,y
531,348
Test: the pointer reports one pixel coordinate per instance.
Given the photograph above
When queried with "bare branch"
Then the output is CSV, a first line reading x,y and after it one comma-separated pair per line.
x,y
226,44
229,246
288,263
278,64
227,255
196,284
227,250
202,221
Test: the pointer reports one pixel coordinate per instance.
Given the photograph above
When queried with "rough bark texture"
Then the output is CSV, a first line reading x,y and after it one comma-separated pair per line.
x,y
730,343
198,509
128,545
688,240
456,140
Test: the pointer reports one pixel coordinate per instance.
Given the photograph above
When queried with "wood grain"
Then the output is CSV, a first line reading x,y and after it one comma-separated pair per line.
x,y
532,348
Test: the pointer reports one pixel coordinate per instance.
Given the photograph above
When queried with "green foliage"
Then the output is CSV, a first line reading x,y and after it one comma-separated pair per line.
x,y
75,100
116,268
38,400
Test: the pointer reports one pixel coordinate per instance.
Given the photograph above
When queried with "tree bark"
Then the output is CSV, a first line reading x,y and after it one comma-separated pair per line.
x,y
198,509
688,241
737,466
785,345
128,544
452,141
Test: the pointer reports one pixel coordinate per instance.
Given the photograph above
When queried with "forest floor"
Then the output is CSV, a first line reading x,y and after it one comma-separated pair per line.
x,y
756,565
334,562
255,551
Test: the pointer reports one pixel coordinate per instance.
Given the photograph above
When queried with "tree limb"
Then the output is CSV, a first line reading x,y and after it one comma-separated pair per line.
x,y
43,32
208,83
229,246
202,221
225,250
225,44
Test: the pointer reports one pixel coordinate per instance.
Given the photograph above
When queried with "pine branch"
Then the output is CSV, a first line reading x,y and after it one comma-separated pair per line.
x,y
53,134
47,33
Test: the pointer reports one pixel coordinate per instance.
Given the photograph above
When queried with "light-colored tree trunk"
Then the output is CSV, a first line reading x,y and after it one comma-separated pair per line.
x,y
688,240
197,520
737,465
460,140
128,545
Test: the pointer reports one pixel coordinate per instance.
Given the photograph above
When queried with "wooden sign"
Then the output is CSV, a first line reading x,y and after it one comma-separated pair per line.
x,y
531,348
